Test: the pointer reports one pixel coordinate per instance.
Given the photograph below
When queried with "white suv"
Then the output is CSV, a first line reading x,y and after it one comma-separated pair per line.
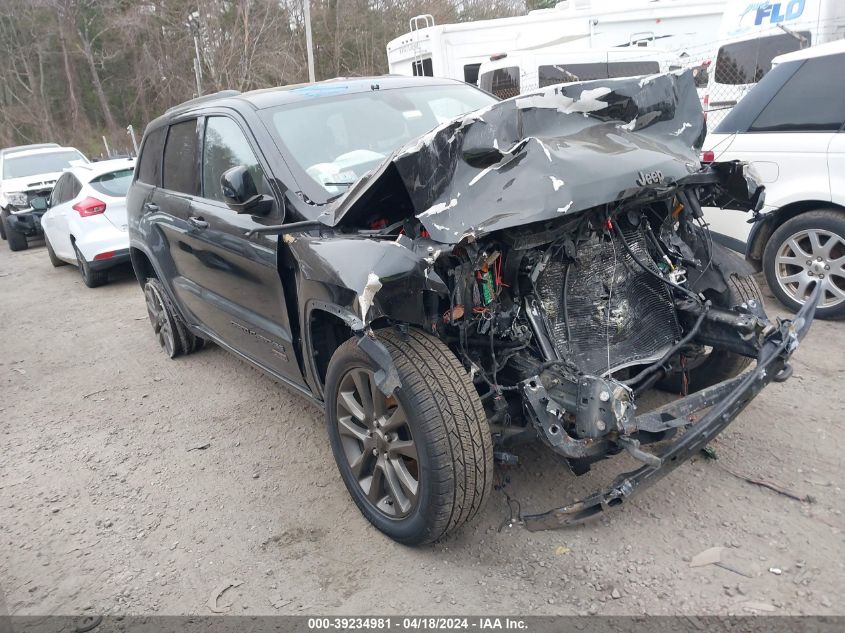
x,y
790,128
28,172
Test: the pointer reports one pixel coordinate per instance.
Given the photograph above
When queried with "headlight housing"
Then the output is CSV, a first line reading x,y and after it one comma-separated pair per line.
x,y
18,199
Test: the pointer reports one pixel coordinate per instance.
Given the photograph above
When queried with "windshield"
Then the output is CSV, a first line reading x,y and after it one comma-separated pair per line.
x,y
335,141
34,164
114,184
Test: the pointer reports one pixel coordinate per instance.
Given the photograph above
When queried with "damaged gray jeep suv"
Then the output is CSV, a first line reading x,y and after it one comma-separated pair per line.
x,y
449,275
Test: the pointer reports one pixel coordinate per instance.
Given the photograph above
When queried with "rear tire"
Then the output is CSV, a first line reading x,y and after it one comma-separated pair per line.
x,y
2,224
91,278
52,255
173,335
17,241
437,411
801,249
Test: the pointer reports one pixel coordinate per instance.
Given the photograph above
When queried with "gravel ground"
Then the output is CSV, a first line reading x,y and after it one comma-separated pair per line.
x,y
105,507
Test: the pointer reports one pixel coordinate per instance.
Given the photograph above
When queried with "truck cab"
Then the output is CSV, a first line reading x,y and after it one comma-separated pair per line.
x,y
28,172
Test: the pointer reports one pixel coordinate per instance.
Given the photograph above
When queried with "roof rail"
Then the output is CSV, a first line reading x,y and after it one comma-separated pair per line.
x,y
210,97
424,21
24,148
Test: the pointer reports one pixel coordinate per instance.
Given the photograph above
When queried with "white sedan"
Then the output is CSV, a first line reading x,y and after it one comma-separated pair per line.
x,y
85,223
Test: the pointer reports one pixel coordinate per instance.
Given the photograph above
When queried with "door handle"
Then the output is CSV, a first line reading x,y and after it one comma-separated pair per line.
x,y
151,207
198,222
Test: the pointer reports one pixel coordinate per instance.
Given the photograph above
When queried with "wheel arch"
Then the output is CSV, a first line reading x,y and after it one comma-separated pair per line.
x,y
327,327
763,230
142,265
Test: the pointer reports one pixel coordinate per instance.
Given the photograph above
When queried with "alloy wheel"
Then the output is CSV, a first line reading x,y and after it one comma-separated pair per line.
x,y
809,257
160,319
377,442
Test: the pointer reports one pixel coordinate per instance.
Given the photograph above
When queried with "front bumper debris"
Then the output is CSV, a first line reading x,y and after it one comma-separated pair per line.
x,y
26,222
726,400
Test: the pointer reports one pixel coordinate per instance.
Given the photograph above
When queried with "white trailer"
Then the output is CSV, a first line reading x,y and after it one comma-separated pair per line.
x,y
510,74
683,27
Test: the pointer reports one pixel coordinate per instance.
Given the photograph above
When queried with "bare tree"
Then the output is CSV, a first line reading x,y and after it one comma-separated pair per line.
x,y
74,70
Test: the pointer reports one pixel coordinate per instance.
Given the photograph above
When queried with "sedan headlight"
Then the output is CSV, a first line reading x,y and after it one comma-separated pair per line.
x,y
17,199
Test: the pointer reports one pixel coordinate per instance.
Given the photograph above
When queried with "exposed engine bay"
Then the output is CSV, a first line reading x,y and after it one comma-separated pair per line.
x,y
562,327
556,243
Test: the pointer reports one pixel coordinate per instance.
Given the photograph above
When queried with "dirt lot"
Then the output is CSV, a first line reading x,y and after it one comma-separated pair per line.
x,y
104,506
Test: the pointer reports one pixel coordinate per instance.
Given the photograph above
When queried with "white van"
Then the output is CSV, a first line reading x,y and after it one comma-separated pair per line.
x,y
754,33
790,128
509,74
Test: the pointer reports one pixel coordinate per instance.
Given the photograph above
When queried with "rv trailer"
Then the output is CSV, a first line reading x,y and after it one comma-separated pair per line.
x,y
685,27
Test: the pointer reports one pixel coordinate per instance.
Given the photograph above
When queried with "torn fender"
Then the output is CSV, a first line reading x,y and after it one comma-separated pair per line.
x,y
535,157
387,278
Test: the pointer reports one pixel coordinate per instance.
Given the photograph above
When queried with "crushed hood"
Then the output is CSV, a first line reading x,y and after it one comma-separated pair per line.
x,y
534,157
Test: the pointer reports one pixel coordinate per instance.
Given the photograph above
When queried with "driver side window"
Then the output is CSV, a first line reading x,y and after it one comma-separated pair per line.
x,y
224,147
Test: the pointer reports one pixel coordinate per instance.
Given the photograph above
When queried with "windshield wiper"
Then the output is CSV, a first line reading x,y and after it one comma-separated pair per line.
x,y
338,184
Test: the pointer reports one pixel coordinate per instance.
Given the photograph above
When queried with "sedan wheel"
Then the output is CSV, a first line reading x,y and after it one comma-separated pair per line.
x,y
378,444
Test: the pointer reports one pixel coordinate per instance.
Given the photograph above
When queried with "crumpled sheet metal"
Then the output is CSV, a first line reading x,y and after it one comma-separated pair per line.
x,y
557,151
379,272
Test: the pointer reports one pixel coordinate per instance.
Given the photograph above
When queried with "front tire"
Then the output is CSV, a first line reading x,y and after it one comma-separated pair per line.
x,y
418,463
17,241
806,249
714,365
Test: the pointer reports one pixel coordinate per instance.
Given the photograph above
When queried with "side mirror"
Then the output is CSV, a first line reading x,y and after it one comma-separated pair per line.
x,y
241,194
39,204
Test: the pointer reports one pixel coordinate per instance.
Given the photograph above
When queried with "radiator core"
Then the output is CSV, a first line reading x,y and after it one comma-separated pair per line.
x,y
619,315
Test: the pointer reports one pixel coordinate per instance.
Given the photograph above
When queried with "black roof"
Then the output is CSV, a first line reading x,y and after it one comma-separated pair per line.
x,y
280,95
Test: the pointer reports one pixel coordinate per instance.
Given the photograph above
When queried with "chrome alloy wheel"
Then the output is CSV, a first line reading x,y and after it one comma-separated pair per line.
x,y
808,257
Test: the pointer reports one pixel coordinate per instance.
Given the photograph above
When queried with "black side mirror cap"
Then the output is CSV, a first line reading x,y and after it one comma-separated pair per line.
x,y
241,194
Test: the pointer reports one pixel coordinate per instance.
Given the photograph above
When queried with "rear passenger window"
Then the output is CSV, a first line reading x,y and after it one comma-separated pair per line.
x,y
813,100
56,196
180,158
149,163
224,147
75,187
471,73
561,73
632,69
747,61
66,188
502,82
115,183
